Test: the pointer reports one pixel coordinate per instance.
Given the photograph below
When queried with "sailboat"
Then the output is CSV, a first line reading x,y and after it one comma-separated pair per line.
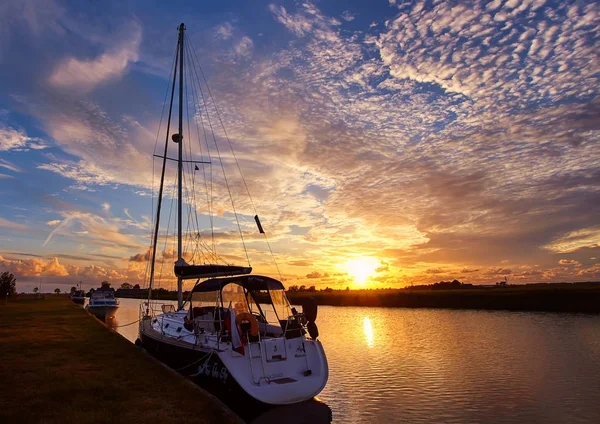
x,y
235,332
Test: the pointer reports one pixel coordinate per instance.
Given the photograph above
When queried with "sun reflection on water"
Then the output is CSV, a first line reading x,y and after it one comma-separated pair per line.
x,y
368,331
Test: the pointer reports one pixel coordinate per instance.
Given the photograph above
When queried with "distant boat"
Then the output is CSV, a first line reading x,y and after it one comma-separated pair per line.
x,y
236,333
78,296
102,303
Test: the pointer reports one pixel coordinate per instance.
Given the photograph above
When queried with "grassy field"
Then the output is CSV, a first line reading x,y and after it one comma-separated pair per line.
x,y
58,364
583,298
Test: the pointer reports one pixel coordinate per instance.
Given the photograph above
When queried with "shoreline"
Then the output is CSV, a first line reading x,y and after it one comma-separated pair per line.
x,y
557,298
60,364
579,298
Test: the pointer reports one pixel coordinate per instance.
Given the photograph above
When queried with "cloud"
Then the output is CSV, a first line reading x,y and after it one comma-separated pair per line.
x,y
445,138
83,75
348,16
10,166
569,262
475,56
12,139
575,240
224,31
34,267
244,47
90,228
85,131
141,257
498,271
30,20
13,225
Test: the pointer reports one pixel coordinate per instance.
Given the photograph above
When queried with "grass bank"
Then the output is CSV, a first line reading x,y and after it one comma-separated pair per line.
x,y
584,298
59,364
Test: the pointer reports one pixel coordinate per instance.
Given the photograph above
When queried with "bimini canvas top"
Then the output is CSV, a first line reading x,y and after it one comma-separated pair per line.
x,y
249,282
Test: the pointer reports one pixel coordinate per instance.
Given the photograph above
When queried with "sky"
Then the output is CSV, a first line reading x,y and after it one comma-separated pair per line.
x,y
384,143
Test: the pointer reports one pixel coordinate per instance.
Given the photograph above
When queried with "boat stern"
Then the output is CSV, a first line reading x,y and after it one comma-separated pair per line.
x,y
279,371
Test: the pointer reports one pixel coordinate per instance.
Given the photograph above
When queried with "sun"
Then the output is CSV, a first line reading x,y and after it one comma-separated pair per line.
x,y
362,268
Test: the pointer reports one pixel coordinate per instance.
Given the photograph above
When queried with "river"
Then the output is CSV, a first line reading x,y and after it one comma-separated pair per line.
x,y
452,366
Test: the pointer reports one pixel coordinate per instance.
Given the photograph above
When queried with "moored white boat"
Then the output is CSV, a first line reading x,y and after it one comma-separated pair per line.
x,y
103,303
266,353
78,297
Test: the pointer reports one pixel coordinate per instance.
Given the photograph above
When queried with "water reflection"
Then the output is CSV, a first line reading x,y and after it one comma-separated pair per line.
x,y
111,321
312,411
439,365
368,327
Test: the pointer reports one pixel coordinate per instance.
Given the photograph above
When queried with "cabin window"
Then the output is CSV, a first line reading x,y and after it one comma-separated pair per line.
x,y
280,304
234,294
205,299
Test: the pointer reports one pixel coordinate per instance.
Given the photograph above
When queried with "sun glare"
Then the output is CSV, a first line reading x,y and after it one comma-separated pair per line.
x,y
361,268
368,327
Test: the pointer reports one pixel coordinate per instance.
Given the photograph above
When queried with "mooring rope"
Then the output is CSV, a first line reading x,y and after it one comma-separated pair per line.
x,y
125,325
209,354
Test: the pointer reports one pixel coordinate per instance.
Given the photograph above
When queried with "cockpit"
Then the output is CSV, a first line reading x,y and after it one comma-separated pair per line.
x,y
258,305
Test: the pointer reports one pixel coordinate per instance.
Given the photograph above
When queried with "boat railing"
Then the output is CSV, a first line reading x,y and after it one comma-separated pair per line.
x,y
156,308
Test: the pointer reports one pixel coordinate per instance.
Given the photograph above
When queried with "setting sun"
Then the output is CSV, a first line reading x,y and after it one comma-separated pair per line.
x,y
361,268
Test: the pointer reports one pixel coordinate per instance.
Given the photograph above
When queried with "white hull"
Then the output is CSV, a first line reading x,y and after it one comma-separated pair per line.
x,y
273,371
102,311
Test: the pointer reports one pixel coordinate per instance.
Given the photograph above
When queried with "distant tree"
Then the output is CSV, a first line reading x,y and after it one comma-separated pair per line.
x,y
125,286
137,286
8,284
36,289
105,285
302,288
347,288
293,288
312,289
73,289
57,290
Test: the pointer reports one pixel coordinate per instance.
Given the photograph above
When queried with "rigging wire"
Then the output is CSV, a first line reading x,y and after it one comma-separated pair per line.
x,y
200,242
223,167
192,204
171,75
160,277
191,46
209,197
199,236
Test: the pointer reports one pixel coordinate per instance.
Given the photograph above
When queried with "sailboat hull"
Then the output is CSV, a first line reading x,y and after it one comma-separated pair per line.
x,y
198,366
231,376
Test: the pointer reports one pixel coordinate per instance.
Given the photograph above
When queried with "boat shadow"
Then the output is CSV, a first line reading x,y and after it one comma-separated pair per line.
x,y
311,411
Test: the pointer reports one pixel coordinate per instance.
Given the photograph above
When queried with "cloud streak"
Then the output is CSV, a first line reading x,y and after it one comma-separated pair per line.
x,y
84,75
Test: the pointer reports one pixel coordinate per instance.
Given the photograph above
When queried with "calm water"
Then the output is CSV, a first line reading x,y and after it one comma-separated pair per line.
x,y
426,365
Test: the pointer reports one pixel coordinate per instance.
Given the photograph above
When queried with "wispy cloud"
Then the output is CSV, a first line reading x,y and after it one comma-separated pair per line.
x,y
89,228
84,75
13,139
10,166
13,225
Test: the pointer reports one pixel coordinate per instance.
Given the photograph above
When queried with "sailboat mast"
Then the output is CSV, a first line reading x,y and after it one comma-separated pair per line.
x,y
162,184
180,168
